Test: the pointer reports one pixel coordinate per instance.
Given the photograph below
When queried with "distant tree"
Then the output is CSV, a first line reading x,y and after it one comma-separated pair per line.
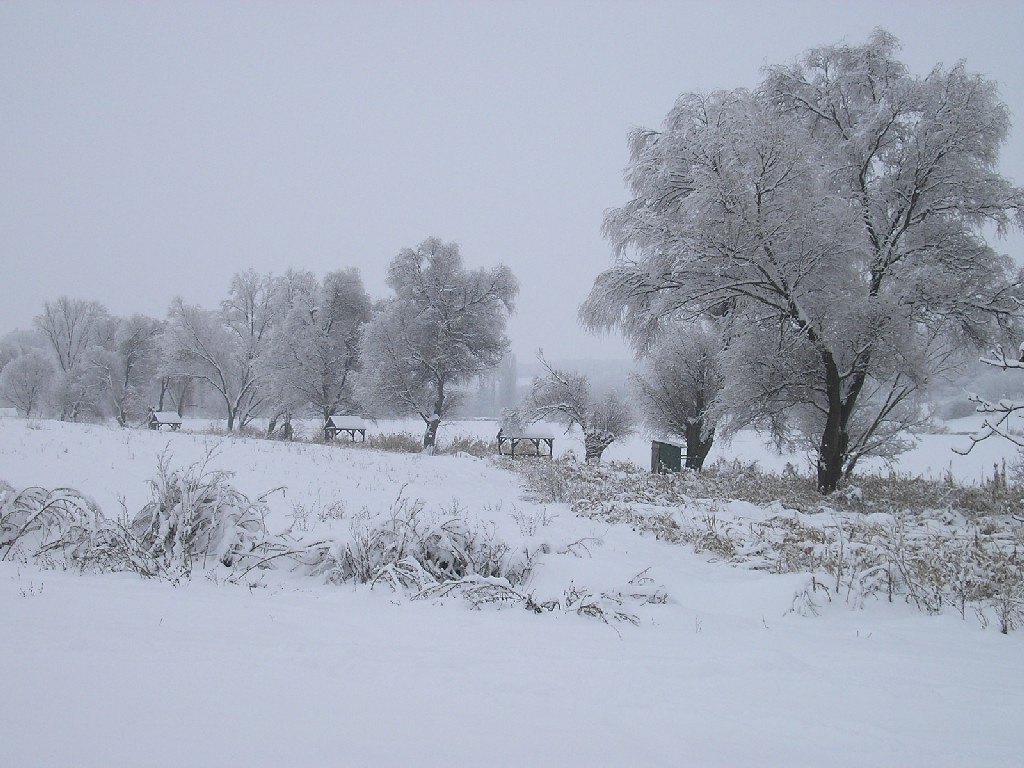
x,y
26,380
841,208
282,400
565,396
1001,416
73,327
197,344
8,351
224,349
18,342
485,401
179,390
679,385
508,382
249,313
76,331
315,347
129,366
444,326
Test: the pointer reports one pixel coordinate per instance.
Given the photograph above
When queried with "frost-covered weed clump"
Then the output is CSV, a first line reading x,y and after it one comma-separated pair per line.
x,y
196,516
439,553
411,547
51,525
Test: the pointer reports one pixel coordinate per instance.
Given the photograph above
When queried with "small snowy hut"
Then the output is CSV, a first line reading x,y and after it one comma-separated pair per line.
x,y
537,435
350,424
164,419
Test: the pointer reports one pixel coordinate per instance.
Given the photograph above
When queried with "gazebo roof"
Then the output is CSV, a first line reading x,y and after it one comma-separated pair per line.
x,y
534,432
166,417
346,422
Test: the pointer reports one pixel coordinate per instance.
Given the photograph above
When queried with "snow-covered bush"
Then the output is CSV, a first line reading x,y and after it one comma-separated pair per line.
x,y
473,446
548,481
196,515
411,547
58,527
610,604
393,442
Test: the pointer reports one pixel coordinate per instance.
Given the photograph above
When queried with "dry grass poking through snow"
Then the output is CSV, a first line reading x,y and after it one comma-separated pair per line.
x,y
934,545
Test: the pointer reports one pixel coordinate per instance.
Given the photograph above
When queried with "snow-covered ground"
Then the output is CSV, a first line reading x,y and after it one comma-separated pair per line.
x,y
112,670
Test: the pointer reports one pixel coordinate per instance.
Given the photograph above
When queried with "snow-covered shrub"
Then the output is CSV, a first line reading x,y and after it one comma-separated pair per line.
x,y
1007,594
411,547
59,526
404,442
195,515
478,591
303,513
612,604
393,442
531,521
705,536
550,482
467,444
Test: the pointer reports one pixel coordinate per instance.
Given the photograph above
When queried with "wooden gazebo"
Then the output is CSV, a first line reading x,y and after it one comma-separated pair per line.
x,y
351,425
165,419
537,435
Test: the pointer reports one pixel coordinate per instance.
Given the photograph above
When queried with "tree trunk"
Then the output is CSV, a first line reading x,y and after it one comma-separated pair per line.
x,y
594,444
835,437
831,453
430,434
696,449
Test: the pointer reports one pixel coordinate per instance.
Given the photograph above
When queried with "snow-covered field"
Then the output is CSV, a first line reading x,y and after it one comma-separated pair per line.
x,y
285,669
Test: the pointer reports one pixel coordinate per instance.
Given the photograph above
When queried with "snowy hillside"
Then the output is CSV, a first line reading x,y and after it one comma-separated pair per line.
x,y
638,651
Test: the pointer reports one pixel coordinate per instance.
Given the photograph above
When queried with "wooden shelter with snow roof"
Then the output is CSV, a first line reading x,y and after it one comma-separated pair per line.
x,y
537,435
165,419
352,425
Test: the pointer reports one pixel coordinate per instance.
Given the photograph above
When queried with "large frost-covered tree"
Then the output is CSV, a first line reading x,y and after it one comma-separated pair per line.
x,y
195,345
444,326
842,208
315,346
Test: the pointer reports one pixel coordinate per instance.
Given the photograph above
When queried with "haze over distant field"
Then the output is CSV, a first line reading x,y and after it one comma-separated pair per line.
x,y
155,149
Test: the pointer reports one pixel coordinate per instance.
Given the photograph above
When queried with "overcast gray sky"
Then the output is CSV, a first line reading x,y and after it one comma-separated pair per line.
x,y
153,149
